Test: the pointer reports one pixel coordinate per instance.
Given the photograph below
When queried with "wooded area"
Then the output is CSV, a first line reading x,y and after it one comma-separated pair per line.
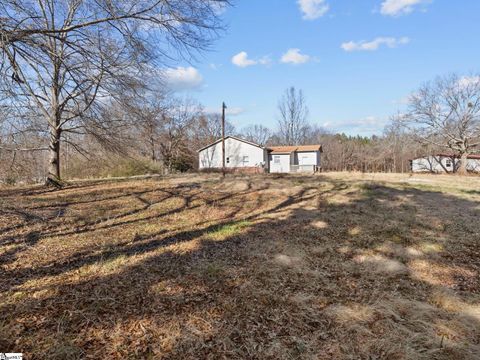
x,y
145,132
70,70
83,95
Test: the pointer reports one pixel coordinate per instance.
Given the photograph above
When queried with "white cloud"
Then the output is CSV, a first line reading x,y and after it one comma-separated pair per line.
x,y
313,9
400,7
365,126
366,121
242,60
235,111
293,56
183,78
231,111
374,44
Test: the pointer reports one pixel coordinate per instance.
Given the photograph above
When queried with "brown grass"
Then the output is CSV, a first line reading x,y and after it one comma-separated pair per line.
x,y
334,266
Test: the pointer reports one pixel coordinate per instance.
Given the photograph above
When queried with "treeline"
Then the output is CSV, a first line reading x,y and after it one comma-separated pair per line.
x,y
161,134
148,130
389,152
144,137
441,116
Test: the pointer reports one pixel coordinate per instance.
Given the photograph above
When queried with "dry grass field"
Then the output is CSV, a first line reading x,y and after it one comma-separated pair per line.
x,y
332,266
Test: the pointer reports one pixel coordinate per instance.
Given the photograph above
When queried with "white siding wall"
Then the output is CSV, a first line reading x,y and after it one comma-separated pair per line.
x,y
432,164
429,164
235,151
308,158
283,166
473,165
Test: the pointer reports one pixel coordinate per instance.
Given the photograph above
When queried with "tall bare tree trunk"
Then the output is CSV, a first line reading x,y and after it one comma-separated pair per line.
x,y
153,155
54,157
462,168
55,133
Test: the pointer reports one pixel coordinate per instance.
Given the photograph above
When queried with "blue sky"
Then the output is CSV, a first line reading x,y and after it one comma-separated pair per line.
x,y
355,60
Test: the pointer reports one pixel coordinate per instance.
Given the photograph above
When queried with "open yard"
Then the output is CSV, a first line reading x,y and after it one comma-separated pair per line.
x,y
333,266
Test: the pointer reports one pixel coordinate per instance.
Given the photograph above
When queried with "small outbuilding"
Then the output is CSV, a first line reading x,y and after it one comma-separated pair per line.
x,y
292,159
246,156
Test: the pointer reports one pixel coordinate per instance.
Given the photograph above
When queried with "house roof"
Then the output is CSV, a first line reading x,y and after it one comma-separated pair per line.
x,y
290,149
233,137
272,149
452,156
472,156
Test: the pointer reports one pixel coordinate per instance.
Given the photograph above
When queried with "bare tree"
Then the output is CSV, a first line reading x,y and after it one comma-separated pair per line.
x,y
175,125
400,145
292,123
149,122
446,113
67,58
208,128
258,134
145,109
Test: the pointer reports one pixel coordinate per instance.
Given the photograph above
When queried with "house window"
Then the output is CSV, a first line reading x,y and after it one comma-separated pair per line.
x,y
448,163
245,160
276,159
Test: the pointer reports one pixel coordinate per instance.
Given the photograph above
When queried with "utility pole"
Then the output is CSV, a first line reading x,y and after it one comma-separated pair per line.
x,y
223,138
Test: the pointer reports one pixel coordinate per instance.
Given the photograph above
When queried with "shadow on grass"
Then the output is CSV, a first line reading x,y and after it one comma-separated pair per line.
x,y
327,272
471,192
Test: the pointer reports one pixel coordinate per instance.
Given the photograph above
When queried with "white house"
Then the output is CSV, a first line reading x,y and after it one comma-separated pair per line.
x,y
239,153
243,155
443,163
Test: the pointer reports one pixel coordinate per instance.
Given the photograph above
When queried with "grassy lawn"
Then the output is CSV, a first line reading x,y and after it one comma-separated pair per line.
x,y
341,266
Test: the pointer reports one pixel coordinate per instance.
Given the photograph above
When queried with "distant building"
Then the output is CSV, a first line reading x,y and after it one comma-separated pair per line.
x,y
246,156
443,163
